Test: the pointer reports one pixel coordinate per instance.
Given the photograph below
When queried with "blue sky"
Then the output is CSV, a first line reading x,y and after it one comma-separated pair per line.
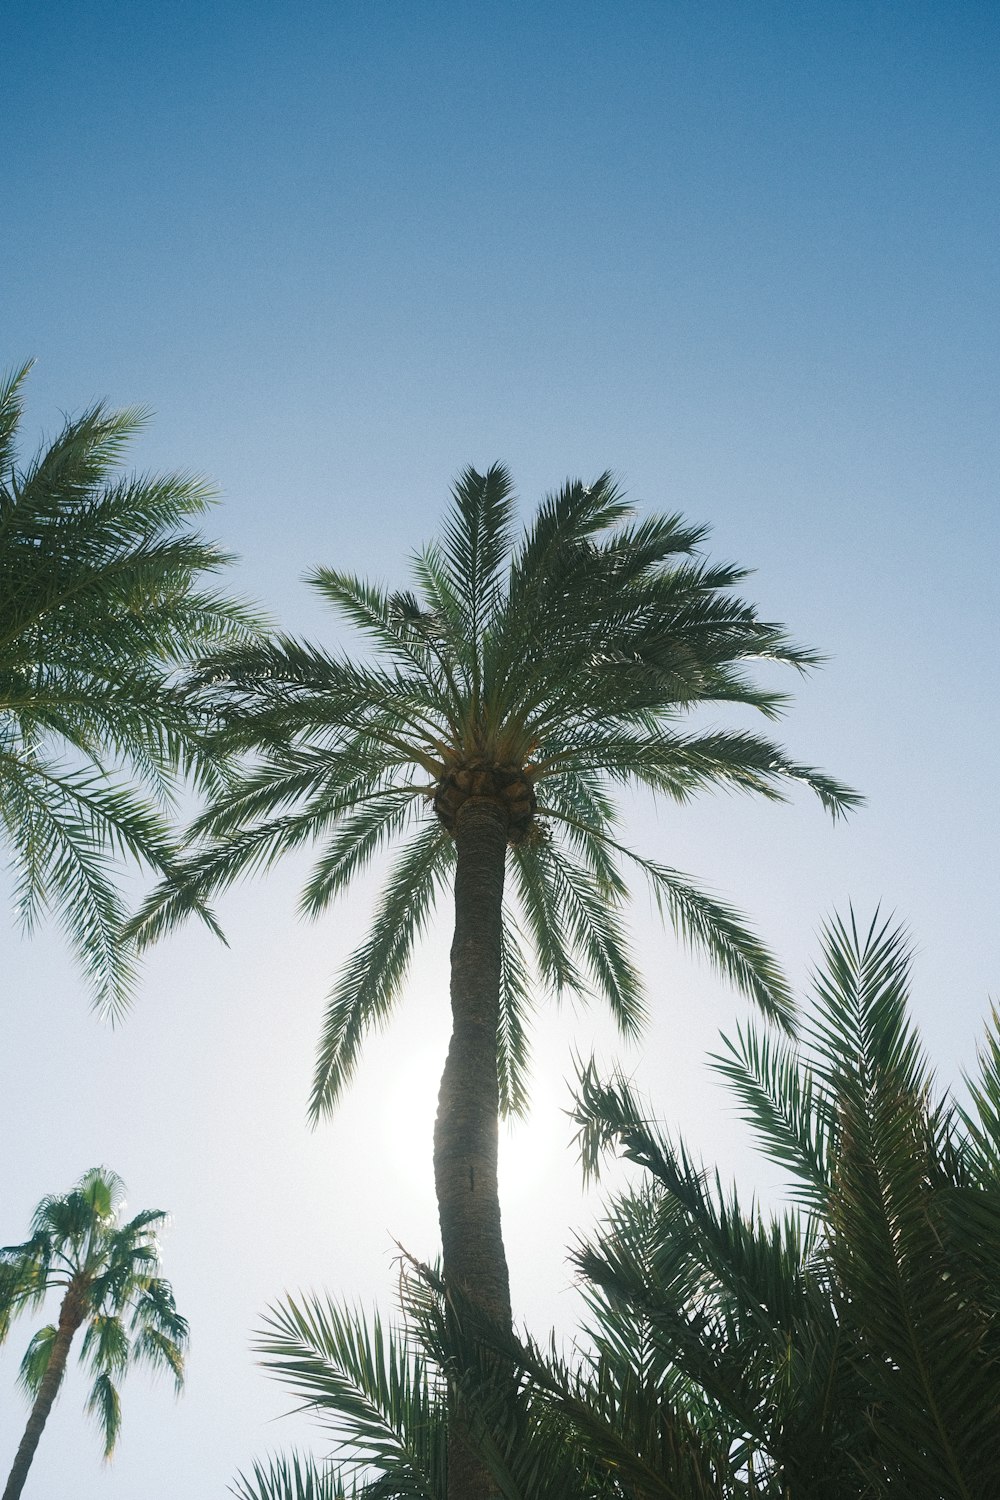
x,y
744,254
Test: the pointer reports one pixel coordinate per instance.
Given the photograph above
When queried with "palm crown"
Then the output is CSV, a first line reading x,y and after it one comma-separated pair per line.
x,y
106,1269
539,673
99,605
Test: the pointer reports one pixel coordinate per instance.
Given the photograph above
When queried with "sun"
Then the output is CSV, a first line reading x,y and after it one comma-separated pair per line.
x,y
527,1147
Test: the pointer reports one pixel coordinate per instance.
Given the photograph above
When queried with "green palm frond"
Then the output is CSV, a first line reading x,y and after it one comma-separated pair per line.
x,y
160,1352
854,1344
544,1428
585,907
155,1309
106,1344
371,1388
861,1032
936,1377
59,862
36,1359
680,766
474,547
513,1052
715,929
66,828
295,1477
586,816
375,819
11,407
372,977
542,909
793,1117
246,839
982,1120
104,1405
393,621
101,607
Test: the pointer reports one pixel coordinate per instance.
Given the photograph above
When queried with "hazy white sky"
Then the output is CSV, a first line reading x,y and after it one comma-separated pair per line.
x,y
745,255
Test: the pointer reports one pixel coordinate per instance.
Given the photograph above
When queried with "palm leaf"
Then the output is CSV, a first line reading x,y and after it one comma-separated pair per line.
x,y
36,1359
104,1405
372,1391
296,1477
372,977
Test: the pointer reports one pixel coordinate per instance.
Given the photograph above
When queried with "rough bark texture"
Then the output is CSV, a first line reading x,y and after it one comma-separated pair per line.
x,y
465,1133
70,1317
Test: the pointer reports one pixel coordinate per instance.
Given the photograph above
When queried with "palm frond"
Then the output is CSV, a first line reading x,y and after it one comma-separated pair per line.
x,y
581,907
36,1359
371,1390
106,1344
104,1405
474,546
371,979
513,1055
295,1477
982,1121
793,1116
375,819
67,823
936,1380
11,407
717,930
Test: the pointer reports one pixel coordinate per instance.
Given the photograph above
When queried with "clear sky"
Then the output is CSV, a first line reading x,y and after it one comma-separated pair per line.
x,y
744,254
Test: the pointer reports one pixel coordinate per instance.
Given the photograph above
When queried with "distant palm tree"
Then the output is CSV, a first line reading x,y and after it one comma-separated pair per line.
x,y
100,605
107,1272
517,689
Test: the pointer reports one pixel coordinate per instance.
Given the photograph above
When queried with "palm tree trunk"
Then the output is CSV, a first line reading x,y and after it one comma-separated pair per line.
x,y
466,1129
70,1317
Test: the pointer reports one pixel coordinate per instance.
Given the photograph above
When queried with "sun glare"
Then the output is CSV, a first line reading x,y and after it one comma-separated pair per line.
x,y
527,1146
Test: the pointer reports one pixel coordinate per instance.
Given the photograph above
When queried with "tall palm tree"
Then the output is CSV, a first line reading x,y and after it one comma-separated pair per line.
x,y
520,684
108,1273
100,603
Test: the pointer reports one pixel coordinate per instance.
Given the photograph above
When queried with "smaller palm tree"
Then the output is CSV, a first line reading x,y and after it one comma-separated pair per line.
x,y
108,1273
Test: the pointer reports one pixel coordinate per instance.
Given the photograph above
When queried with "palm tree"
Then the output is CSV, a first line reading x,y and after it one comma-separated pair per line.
x,y
850,1348
99,606
107,1271
518,686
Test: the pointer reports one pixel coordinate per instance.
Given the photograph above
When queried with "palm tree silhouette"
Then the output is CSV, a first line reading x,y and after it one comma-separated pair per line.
x,y
107,1272
515,690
